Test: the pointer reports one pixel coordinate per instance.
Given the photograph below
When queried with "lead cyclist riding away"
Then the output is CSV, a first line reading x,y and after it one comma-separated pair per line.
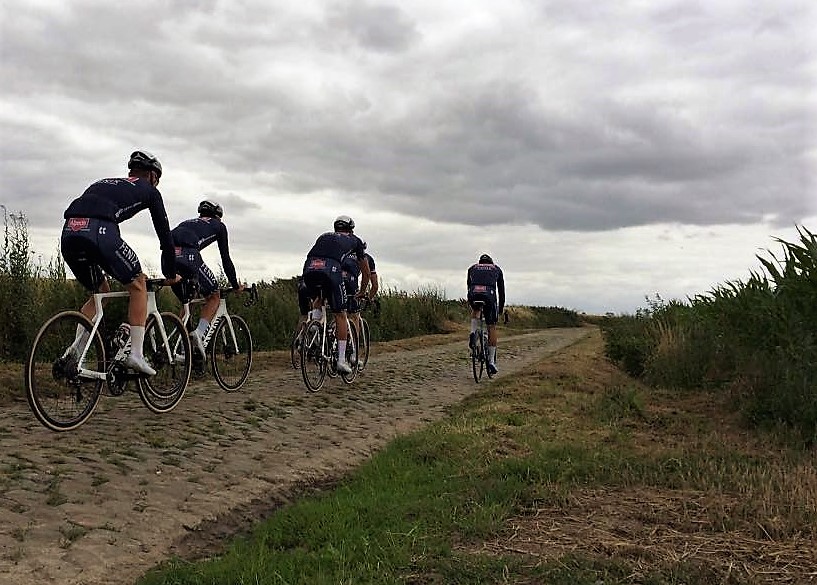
x,y
485,280
91,243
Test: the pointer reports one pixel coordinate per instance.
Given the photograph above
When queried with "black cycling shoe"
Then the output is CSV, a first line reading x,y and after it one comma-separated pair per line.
x,y
492,369
472,341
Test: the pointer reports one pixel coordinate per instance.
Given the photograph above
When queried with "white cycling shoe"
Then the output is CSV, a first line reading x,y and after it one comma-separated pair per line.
x,y
344,367
195,338
140,365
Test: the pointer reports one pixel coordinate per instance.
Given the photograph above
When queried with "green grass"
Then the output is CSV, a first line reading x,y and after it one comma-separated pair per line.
x,y
450,503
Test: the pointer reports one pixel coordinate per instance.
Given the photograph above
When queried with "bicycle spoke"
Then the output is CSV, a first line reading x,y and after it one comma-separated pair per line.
x,y
231,358
162,392
58,395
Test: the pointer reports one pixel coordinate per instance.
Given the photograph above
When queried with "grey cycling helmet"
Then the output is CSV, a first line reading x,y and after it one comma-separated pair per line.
x,y
485,259
142,159
210,209
344,223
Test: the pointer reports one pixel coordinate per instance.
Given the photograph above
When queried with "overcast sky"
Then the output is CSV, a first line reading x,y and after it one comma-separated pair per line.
x,y
600,151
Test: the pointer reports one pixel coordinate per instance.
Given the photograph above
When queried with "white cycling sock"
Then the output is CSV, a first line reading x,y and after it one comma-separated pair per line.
x,y
201,329
341,350
316,314
137,340
474,325
492,354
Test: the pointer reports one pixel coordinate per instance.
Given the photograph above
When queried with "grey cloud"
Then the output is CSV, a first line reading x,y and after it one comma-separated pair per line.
x,y
379,27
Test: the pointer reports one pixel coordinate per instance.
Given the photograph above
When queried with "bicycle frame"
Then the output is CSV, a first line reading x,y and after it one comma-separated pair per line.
x,y
152,309
221,312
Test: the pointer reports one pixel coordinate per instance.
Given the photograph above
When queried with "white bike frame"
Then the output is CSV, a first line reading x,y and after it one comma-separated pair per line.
x,y
123,351
221,312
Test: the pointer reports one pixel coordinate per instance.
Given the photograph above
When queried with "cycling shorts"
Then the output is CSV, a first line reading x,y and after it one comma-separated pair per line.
x,y
322,277
92,247
304,302
352,302
190,265
488,296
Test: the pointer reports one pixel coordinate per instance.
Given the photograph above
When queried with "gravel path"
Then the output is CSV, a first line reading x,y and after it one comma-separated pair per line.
x,y
102,504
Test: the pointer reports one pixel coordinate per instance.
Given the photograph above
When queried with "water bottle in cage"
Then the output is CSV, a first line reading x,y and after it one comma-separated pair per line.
x,y
122,335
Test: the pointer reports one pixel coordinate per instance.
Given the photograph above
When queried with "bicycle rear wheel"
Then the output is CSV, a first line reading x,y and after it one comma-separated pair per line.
x,y
485,353
363,346
59,397
162,392
351,353
231,359
478,356
313,364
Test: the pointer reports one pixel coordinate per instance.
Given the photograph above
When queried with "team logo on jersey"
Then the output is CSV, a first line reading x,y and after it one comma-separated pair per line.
x,y
78,223
317,264
480,288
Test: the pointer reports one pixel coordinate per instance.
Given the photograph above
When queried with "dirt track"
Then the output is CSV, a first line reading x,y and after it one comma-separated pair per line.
x,y
104,503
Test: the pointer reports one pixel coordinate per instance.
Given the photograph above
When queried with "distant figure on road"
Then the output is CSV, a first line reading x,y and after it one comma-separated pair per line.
x,y
485,283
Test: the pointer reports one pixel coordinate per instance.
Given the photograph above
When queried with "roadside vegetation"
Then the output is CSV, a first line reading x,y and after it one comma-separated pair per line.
x,y
753,341
33,288
569,473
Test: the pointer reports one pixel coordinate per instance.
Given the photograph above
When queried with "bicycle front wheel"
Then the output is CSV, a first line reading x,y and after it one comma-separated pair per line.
x,y
172,361
363,346
313,364
231,358
58,395
478,357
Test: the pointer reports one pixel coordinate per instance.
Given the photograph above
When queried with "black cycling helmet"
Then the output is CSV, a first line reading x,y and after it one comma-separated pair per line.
x,y
344,223
142,159
485,259
210,209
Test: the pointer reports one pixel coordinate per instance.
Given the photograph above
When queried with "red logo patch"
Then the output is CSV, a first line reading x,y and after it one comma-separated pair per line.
x,y
480,288
78,223
317,263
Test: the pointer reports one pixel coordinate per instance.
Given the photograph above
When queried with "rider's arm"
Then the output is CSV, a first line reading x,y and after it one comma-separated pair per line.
x,y
366,274
226,261
500,286
373,276
160,224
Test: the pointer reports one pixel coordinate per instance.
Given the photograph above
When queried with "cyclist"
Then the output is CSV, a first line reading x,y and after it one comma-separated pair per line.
x,y
485,281
323,270
191,237
91,243
351,273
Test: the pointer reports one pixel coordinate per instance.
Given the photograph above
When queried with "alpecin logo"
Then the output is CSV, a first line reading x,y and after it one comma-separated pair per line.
x,y
78,223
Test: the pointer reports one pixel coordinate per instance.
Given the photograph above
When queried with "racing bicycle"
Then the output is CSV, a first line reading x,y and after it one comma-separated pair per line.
x,y
319,351
227,341
73,357
479,351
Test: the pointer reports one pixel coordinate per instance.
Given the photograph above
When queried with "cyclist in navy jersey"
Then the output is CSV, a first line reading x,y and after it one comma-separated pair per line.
x,y
191,237
91,245
323,274
351,274
485,282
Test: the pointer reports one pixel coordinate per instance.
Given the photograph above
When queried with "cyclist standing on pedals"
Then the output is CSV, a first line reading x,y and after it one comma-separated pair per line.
x,y
91,243
485,280
351,273
191,237
323,272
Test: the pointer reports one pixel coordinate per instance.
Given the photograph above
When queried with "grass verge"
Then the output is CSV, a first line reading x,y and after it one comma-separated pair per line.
x,y
568,473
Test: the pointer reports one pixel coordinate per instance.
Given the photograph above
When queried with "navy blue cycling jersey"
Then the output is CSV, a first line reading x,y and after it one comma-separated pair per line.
x,y
351,267
337,246
490,276
199,233
119,199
